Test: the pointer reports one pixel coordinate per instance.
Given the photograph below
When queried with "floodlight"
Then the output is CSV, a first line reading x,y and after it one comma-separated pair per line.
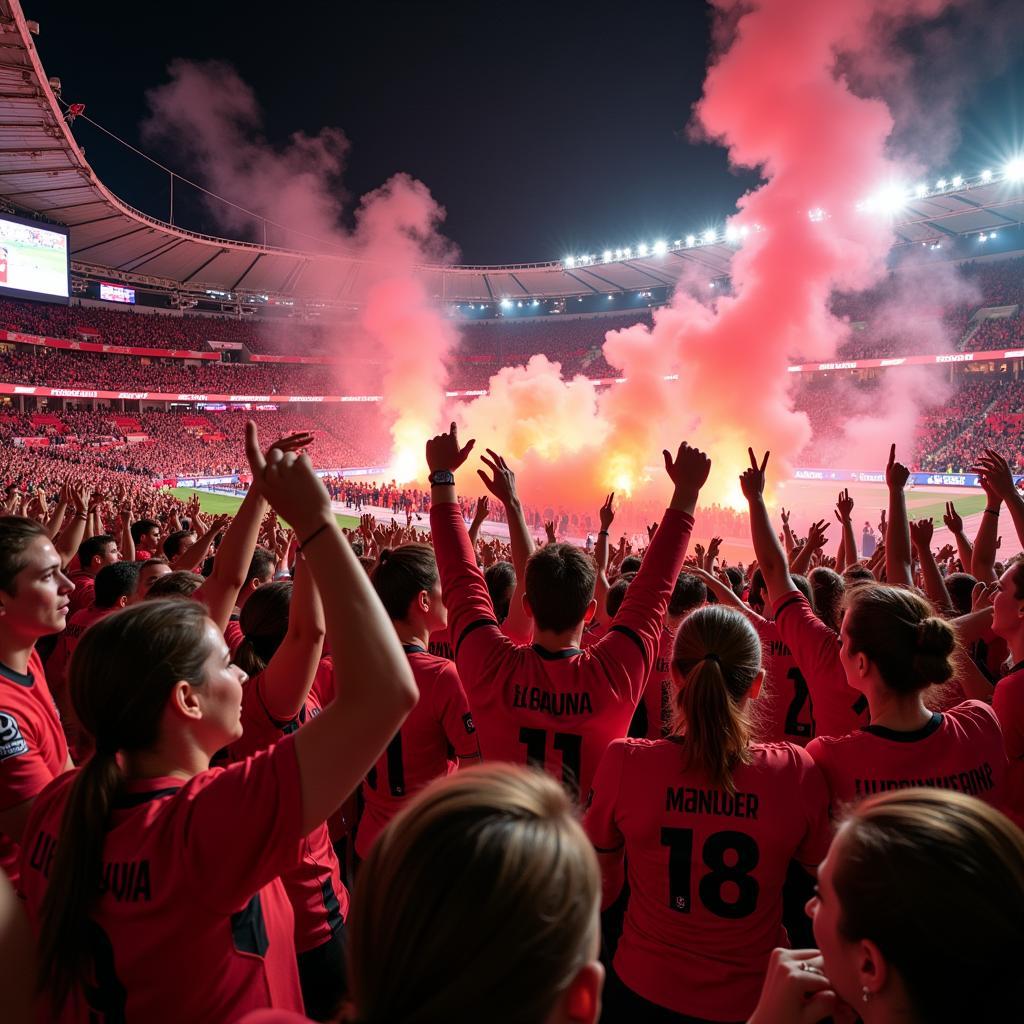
x,y
660,247
941,183
569,261
731,234
1014,170
986,175
505,303
618,254
890,199
991,234
690,240
641,249
627,252
709,235
957,181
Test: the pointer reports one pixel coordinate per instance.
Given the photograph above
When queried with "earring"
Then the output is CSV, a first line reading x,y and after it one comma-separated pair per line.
x,y
866,995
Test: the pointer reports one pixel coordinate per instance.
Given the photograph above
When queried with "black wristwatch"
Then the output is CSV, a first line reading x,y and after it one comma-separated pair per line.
x,y
442,478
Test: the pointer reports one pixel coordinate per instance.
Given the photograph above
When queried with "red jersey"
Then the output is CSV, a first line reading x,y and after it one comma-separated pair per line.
x,y
555,709
318,897
438,733
1008,704
323,682
838,707
84,593
706,867
33,750
785,713
192,922
654,712
440,646
592,632
233,635
960,749
141,554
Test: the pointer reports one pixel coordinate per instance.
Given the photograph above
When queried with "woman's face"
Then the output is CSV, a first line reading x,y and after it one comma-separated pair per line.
x,y
220,696
40,594
840,956
1006,606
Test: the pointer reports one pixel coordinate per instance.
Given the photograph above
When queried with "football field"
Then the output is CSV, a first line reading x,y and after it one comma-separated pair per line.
x,y
227,504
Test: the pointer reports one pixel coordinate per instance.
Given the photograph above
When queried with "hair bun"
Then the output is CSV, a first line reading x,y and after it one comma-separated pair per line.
x,y
935,637
384,556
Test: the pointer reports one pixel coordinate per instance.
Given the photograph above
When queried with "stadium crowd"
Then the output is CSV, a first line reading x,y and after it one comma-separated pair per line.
x,y
294,765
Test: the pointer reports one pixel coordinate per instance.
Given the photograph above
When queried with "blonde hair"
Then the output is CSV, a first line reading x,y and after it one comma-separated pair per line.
x,y
717,657
480,901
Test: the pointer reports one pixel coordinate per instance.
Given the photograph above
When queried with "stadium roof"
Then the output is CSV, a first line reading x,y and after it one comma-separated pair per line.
x,y
43,170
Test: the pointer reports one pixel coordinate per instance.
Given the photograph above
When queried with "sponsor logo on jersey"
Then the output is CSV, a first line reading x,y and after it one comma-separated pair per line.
x,y
12,743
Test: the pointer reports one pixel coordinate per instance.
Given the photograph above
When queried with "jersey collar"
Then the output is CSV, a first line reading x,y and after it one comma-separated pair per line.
x,y
906,737
26,680
569,652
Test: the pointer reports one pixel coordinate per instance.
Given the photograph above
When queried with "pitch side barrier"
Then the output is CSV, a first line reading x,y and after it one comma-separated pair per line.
x,y
235,480
922,479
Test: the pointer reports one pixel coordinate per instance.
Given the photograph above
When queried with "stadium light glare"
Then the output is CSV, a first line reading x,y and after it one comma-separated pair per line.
x,y
641,249
660,247
709,236
731,234
991,234
921,190
506,303
941,183
569,261
607,256
744,231
618,254
627,252
890,199
1014,170
957,181
986,175
691,240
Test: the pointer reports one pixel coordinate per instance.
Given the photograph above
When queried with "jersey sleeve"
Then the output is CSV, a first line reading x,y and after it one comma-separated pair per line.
x,y
242,826
600,824
1008,704
815,802
454,714
24,771
642,614
476,638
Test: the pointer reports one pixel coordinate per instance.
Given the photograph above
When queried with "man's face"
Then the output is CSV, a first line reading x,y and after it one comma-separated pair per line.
x,y
149,540
148,575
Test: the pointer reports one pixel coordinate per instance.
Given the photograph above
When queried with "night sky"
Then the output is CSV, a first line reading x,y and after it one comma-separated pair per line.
x,y
544,128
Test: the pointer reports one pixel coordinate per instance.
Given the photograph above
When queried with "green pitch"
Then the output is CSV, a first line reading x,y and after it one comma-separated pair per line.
x,y
226,504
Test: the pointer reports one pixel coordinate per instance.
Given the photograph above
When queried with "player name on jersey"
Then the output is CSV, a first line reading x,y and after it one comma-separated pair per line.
x,y
711,801
126,881
533,698
973,782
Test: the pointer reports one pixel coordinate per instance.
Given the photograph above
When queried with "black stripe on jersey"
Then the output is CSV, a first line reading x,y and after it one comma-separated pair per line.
x,y
795,598
626,631
469,629
567,652
609,849
913,736
331,907
128,800
22,679
249,930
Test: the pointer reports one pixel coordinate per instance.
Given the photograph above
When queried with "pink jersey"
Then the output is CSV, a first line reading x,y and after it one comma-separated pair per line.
x,y
192,922
319,899
438,733
33,750
706,867
1008,704
838,708
784,710
960,749
555,709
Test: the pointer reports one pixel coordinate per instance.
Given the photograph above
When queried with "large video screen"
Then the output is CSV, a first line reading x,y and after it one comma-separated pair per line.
x,y
34,260
116,292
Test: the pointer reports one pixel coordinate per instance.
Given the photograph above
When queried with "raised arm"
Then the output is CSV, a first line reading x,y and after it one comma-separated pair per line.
x,y
375,689
817,535
787,533
607,517
767,549
983,565
934,585
285,682
897,537
955,525
502,484
479,515
126,544
848,545
997,471
70,539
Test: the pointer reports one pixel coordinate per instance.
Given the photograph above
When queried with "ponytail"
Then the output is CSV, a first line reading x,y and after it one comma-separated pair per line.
x,y
121,676
716,659
264,623
64,940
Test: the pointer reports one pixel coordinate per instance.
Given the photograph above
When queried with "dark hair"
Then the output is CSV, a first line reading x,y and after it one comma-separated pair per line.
x,y
261,565
631,563
899,632
16,533
828,589
716,657
402,573
960,586
141,526
560,582
501,584
173,542
617,593
735,579
757,595
689,592
179,583
120,675
91,547
858,573
264,623
916,870
121,579
803,584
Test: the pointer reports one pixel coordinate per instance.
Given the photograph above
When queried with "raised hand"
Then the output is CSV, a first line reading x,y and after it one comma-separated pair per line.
x,y
366,525
896,474
881,523
483,507
444,451
954,523
502,482
606,514
844,506
921,533
945,553
996,470
713,548
752,480
785,515
689,471
652,530
817,535
549,529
